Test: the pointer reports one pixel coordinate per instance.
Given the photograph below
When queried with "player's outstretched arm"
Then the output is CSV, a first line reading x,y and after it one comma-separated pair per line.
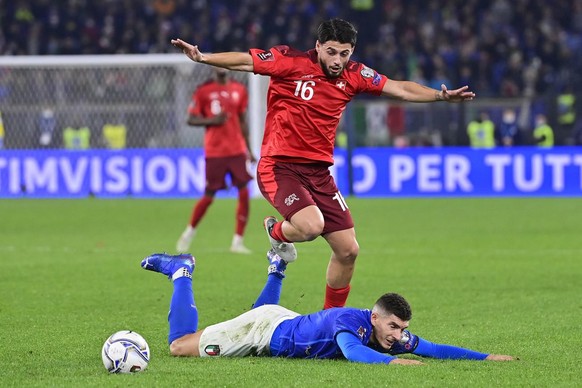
x,y
355,351
230,60
499,357
414,92
449,352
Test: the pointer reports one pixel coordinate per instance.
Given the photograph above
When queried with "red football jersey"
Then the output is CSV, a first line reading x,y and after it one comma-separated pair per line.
x,y
303,105
212,98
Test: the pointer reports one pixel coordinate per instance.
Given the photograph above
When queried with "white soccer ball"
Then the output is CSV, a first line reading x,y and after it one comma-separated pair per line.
x,y
125,352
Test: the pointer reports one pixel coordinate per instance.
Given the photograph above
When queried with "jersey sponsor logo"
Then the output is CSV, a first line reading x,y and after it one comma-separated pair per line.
x,y
362,332
266,56
341,84
212,350
366,72
290,199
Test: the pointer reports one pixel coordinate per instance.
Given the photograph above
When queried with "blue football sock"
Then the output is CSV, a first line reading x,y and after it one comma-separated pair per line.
x,y
183,316
271,292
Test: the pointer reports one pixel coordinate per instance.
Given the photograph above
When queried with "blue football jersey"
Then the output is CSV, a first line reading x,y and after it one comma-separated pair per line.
x,y
313,335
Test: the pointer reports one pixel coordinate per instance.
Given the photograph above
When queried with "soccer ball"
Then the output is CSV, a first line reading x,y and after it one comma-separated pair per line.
x,y
125,352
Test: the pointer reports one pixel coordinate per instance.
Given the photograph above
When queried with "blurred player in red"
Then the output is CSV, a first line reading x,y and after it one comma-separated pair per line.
x,y
221,106
307,95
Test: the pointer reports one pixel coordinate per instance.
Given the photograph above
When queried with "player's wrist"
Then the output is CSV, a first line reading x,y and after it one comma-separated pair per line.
x,y
438,96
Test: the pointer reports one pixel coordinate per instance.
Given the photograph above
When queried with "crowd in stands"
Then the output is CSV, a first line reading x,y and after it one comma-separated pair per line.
x,y
500,47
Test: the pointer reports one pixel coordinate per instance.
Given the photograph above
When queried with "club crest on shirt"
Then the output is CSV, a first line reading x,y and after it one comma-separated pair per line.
x,y
341,84
290,199
212,350
266,56
361,332
366,72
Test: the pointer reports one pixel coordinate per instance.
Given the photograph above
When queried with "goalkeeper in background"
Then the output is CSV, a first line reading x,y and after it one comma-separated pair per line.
x,y
220,105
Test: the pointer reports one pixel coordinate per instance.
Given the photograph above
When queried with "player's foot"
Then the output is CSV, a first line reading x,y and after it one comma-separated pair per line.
x,y
237,245
183,244
285,250
169,264
240,248
276,264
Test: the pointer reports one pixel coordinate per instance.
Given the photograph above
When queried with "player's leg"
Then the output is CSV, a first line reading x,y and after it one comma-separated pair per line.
x,y
216,171
271,292
340,235
341,266
240,178
282,184
187,345
183,315
198,212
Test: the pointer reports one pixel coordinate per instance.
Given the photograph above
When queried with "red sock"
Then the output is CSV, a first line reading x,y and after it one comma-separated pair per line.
x,y
242,210
277,232
335,297
200,210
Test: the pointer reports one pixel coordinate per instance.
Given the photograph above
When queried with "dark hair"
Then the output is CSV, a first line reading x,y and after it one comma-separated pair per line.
x,y
337,30
394,304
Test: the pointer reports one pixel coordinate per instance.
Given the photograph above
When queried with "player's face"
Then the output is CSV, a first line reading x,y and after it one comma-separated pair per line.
x,y
387,329
333,57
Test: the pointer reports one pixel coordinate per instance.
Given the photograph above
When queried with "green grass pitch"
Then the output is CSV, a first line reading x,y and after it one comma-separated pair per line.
x,y
495,275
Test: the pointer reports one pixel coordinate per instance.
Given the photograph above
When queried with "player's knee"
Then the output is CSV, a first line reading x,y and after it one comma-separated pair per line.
x,y
310,231
349,253
179,349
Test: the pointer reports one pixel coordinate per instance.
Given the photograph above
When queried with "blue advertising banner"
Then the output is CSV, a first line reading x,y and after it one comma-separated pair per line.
x,y
103,173
462,172
377,172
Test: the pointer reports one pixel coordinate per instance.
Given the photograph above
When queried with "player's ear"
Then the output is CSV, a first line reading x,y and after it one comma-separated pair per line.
x,y
317,46
374,318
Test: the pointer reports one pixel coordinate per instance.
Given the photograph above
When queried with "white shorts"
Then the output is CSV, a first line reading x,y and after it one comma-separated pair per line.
x,y
248,334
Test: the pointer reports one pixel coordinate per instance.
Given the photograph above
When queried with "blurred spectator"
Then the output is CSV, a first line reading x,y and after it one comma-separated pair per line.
x,y
508,129
566,112
485,44
543,133
481,132
1,132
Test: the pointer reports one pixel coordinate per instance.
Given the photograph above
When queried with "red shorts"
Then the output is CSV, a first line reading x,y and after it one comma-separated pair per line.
x,y
217,168
290,187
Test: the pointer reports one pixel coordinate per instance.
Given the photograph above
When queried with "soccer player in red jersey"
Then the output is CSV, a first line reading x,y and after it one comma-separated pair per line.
x,y
307,95
220,104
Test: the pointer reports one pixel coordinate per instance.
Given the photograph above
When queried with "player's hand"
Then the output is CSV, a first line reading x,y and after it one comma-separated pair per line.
x,y
499,357
191,51
457,95
220,118
405,361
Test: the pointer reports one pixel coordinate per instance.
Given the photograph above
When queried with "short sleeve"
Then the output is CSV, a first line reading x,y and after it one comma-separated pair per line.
x,y
272,62
194,108
355,324
370,81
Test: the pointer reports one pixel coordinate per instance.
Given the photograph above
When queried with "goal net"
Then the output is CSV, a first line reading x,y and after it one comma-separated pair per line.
x,y
124,101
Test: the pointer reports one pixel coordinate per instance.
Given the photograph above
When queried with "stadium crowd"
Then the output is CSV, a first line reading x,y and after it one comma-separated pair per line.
x,y
485,43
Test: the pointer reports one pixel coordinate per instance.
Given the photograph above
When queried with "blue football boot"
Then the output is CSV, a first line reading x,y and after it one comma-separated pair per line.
x,y
169,264
276,264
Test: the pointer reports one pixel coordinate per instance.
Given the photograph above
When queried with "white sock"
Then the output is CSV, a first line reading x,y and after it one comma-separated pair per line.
x,y
182,272
237,239
189,232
